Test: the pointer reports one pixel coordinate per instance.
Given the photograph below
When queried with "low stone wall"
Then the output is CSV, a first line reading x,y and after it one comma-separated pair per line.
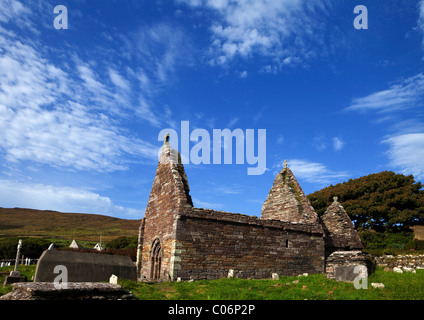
x,y
400,261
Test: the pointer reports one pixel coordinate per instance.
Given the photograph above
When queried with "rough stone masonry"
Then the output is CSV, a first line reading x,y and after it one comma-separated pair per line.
x,y
177,240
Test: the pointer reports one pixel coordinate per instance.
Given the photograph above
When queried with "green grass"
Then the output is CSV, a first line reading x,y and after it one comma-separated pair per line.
x,y
26,271
406,286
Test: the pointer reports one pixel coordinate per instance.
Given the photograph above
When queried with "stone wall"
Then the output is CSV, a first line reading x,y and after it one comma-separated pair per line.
x,y
347,265
408,261
210,243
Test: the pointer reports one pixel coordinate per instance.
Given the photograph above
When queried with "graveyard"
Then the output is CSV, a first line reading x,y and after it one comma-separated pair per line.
x,y
405,286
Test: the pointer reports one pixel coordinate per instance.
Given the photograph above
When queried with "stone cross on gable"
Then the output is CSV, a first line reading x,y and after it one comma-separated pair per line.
x,y
285,164
335,199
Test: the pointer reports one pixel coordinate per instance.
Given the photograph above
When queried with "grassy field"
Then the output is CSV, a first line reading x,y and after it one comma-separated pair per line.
x,y
406,286
17,222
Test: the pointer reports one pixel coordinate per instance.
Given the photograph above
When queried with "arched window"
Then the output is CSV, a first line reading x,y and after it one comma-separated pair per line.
x,y
288,243
156,257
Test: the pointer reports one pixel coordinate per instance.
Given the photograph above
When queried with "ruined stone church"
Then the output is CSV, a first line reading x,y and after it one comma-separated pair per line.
x,y
177,240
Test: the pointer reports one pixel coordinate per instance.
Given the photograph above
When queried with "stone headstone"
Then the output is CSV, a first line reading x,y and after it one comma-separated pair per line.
x,y
275,276
113,279
230,274
15,274
18,252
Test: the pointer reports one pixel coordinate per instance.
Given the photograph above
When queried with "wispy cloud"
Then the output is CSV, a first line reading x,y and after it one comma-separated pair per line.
x,y
160,49
403,95
233,122
273,28
338,143
401,105
421,18
313,172
321,143
49,118
406,152
207,205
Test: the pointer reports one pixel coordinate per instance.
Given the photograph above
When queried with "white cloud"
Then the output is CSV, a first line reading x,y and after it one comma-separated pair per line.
x,y
421,17
313,172
273,28
319,143
406,143
48,117
12,9
65,199
399,97
406,152
233,122
338,144
206,205
118,80
280,140
243,74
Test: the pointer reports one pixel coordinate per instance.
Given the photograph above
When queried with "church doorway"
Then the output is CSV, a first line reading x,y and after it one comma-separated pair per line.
x,y
156,257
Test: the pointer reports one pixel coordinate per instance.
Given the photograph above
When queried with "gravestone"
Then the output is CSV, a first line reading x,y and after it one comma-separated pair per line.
x,y
15,275
83,266
113,279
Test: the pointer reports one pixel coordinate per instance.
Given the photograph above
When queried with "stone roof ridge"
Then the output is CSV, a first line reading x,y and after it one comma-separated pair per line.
x,y
338,228
171,157
286,200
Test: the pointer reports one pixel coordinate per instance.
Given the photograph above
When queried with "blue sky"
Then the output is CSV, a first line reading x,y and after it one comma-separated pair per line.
x,y
81,108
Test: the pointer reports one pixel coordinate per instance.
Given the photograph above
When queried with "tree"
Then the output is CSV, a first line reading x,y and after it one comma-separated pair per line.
x,y
31,247
383,201
123,242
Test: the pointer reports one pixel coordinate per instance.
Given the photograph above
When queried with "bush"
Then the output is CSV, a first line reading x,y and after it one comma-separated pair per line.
x,y
123,243
383,240
415,245
31,247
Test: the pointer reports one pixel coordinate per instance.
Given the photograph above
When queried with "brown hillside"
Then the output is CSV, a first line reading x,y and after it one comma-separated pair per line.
x,y
60,225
